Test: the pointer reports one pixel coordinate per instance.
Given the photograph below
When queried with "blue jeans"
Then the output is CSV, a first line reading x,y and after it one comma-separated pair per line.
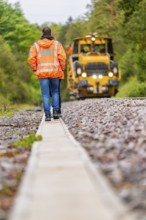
x,y
50,85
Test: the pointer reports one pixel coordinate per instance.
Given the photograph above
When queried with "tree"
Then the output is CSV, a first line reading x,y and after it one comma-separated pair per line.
x,y
17,35
129,7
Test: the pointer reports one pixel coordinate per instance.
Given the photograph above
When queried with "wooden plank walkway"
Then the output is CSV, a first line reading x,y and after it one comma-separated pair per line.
x,y
61,183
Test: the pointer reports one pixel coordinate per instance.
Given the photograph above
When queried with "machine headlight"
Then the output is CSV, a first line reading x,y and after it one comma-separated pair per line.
x,y
94,76
115,70
93,38
79,71
100,76
84,75
110,74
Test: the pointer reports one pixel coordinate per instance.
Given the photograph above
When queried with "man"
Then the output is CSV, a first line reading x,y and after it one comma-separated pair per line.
x,y
47,59
69,49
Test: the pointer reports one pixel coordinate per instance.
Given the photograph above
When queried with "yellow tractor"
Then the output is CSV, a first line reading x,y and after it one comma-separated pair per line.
x,y
91,70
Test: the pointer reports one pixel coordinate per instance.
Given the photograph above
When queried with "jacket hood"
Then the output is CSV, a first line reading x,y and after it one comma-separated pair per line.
x,y
49,37
45,43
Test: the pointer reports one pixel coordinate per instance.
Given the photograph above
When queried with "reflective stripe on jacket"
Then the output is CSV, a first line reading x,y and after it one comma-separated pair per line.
x,y
47,58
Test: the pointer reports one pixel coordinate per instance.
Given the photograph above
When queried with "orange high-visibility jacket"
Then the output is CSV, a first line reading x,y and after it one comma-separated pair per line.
x,y
47,58
69,50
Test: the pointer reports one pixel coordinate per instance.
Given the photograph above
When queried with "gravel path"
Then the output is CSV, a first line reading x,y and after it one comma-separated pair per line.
x,y
113,131
13,159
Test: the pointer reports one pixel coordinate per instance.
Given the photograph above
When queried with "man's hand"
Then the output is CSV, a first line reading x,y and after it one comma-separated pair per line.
x,y
34,67
34,70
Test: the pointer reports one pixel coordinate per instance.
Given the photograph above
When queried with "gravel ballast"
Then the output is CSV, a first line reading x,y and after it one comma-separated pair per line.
x,y
113,131
13,160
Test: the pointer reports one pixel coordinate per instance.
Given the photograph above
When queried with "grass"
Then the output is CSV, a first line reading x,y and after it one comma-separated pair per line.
x,y
132,88
6,113
28,140
8,110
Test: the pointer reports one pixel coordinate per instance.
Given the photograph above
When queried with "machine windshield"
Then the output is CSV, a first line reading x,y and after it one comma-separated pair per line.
x,y
85,48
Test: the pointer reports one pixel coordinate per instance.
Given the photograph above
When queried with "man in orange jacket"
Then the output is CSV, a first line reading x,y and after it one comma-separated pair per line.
x,y
47,59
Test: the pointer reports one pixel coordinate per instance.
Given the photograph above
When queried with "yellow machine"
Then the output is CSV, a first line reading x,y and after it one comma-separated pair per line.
x,y
91,70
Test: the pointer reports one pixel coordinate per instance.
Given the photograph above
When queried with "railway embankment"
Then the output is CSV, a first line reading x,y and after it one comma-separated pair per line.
x,y
113,132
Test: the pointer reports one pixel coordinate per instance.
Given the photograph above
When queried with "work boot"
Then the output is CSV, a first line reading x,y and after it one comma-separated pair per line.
x,y
59,113
48,116
55,114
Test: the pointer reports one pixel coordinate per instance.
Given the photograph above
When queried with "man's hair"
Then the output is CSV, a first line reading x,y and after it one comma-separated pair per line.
x,y
46,31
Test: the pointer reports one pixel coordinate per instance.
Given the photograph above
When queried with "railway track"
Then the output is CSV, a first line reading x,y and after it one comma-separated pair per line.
x,y
112,132
62,183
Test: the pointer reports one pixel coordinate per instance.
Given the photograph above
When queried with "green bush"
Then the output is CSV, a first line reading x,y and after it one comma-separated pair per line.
x,y
132,88
128,65
18,83
141,65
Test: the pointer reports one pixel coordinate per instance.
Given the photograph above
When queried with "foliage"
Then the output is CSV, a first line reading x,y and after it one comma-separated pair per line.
x,y
135,28
12,85
8,109
5,109
128,65
129,7
124,21
15,29
77,28
28,140
16,37
132,88
141,65
133,63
